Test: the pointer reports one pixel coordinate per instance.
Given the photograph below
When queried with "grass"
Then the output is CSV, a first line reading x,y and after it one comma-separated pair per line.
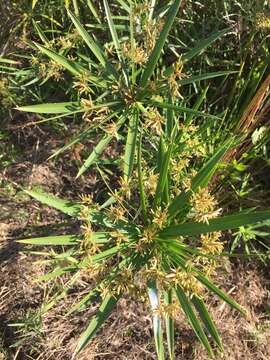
x,y
169,116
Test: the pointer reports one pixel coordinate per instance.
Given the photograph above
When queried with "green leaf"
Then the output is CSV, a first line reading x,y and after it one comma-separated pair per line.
x,y
196,106
201,180
140,180
82,135
124,5
34,2
112,29
130,147
203,44
201,77
154,57
98,150
97,237
88,39
169,325
92,44
78,138
53,108
40,32
154,302
164,105
207,320
60,295
170,122
93,10
52,240
84,301
71,66
203,177
163,172
221,294
56,273
8,61
115,39
104,311
96,291
196,326
64,206
219,224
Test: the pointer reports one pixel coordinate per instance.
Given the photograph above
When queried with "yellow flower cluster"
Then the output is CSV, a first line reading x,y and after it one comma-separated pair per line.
x,y
52,69
152,30
167,310
150,182
123,282
125,187
116,213
95,270
82,84
147,239
86,199
160,217
186,280
204,206
119,237
88,245
154,120
262,21
176,75
137,56
211,244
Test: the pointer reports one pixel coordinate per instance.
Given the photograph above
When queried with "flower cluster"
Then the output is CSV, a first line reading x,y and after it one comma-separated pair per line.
x,y
204,206
154,120
262,21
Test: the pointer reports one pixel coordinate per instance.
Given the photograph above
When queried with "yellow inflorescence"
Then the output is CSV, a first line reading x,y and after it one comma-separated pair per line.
x,y
117,212
55,70
147,239
85,213
154,120
168,310
173,279
125,187
119,237
137,55
64,42
204,206
160,217
211,244
87,104
82,84
88,245
152,30
150,182
186,280
123,282
262,21
87,199
176,75
111,129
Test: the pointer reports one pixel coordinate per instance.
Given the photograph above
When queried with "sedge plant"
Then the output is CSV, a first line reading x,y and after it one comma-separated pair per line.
x,y
158,235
